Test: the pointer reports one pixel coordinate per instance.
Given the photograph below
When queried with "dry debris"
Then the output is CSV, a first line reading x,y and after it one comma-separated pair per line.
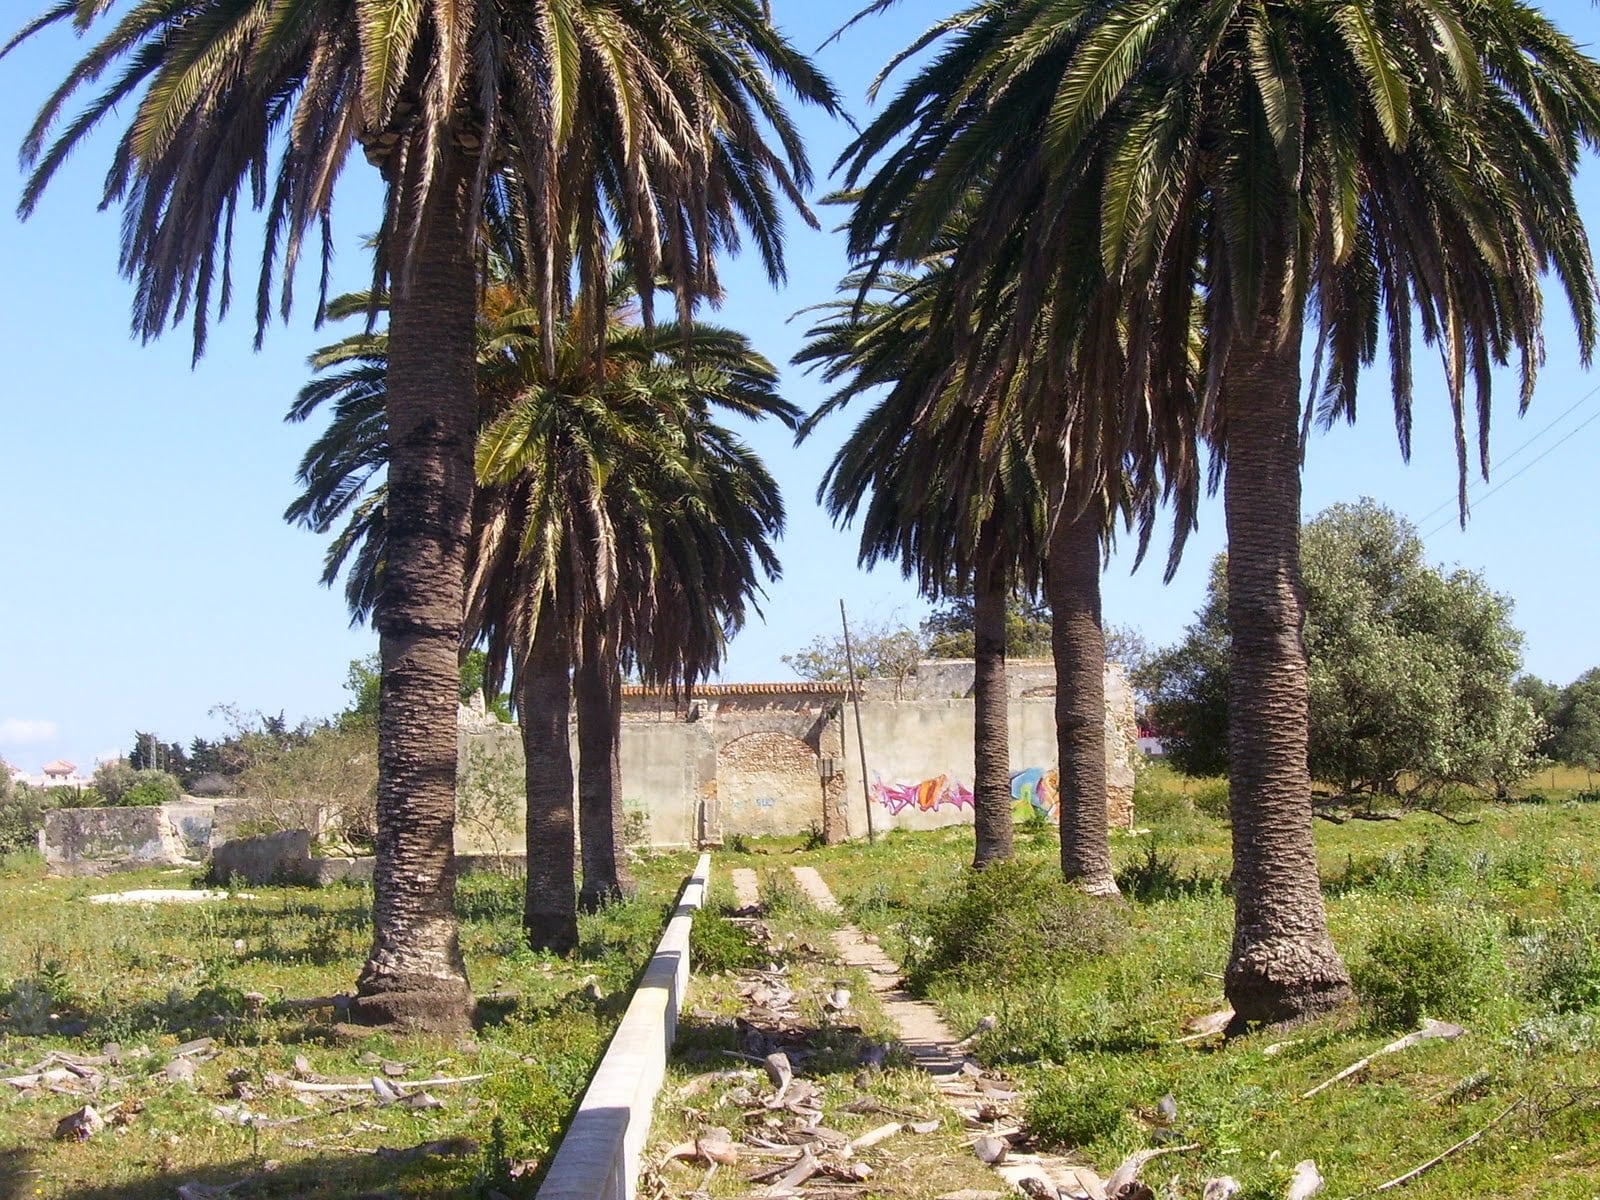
x,y
1429,1030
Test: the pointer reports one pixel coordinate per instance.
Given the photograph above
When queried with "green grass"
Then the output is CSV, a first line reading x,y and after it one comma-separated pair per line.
x,y
1494,923
74,977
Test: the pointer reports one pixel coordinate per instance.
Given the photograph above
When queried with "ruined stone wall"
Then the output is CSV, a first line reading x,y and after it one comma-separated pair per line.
x,y
761,759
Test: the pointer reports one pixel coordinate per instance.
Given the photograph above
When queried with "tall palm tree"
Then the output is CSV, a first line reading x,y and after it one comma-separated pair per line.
x,y
589,482
1052,500
604,120
652,506
949,492
1246,165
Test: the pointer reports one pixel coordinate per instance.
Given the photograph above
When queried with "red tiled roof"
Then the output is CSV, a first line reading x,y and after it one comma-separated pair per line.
x,y
710,690
60,767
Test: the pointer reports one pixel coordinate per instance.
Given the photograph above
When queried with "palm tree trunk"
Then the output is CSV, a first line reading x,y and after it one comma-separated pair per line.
x,y
414,974
1078,644
991,737
600,817
544,702
1283,965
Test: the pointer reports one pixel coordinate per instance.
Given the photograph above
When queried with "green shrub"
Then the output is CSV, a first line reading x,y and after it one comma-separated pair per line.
x,y
1064,1111
1211,800
1428,869
1436,967
1010,921
112,780
22,811
1155,876
151,788
1561,964
716,944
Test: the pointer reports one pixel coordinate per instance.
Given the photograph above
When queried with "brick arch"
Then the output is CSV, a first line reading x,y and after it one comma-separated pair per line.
x,y
767,782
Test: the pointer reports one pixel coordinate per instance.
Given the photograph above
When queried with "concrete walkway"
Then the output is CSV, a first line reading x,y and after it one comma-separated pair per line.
x,y
746,887
923,1033
928,1040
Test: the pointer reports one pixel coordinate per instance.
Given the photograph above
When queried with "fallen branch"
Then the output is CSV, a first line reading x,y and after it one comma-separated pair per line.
x,y
873,1136
1430,1029
1129,1170
298,1085
790,1183
1402,1180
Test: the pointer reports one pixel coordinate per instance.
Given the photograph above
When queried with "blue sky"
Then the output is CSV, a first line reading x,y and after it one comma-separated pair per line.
x,y
147,576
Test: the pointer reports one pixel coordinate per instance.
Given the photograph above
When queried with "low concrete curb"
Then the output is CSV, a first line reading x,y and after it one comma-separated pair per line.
x,y
599,1156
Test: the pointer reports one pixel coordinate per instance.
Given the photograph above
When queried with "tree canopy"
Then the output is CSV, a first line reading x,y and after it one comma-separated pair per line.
x,y
1412,668
1571,717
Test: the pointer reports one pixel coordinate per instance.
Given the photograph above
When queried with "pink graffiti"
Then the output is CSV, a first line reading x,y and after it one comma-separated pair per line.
x,y
926,796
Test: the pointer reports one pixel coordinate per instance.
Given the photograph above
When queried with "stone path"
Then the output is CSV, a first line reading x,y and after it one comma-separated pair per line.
x,y
746,887
922,1031
924,1034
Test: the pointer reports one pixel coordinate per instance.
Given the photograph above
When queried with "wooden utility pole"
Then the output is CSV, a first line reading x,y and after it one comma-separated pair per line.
x,y
855,699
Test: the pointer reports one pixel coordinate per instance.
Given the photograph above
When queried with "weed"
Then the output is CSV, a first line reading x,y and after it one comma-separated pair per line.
x,y
1428,869
737,843
490,896
716,945
1560,1034
28,1008
1039,823
1211,800
1155,876
814,837
1436,966
780,893
1561,964
1168,811
1070,1112
1011,921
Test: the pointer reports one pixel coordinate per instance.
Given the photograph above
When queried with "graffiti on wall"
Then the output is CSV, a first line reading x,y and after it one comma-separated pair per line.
x,y
1038,787
1034,785
926,796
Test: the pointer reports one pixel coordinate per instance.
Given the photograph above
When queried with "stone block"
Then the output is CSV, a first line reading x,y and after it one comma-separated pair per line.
x,y
270,858
97,841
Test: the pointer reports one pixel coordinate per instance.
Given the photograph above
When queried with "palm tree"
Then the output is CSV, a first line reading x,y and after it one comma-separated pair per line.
x,y
1051,498
601,120
1245,165
954,495
638,505
587,481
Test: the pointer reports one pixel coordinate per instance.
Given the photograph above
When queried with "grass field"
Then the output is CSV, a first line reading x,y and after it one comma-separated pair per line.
x,y
149,979
1493,923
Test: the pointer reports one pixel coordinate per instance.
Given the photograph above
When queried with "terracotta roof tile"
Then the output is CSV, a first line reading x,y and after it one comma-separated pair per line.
x,y
706,691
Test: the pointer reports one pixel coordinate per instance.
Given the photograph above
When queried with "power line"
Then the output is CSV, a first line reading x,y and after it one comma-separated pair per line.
x,y
1582,400
1526,468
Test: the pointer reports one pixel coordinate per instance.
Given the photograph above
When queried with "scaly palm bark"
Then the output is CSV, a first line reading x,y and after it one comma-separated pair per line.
x,y
993,839
597,684
1078,645
414,974
543,690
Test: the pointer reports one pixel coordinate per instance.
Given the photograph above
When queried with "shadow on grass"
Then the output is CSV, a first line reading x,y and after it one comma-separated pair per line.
x,y
1155,876
815,1051
18,1178
336,1175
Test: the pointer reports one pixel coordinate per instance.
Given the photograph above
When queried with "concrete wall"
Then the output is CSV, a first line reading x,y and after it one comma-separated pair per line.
x,y
95,841
749,759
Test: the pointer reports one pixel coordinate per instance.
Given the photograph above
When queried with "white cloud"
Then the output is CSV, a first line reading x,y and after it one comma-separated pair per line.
x,y
17,732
